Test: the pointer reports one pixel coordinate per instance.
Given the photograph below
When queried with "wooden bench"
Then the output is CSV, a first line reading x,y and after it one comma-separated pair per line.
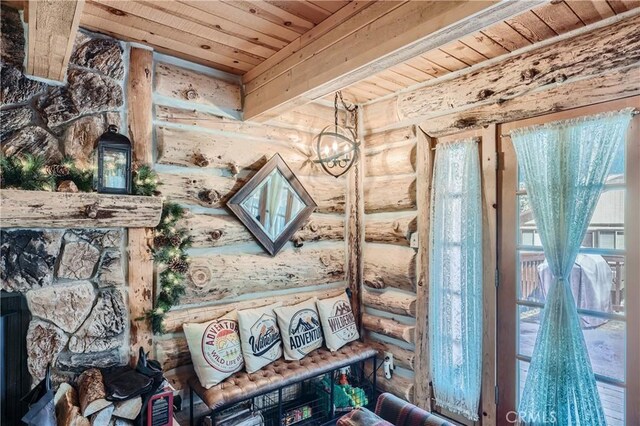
x,y
243,386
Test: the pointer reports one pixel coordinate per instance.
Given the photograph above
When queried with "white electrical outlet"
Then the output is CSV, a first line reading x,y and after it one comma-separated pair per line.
x,y
389,356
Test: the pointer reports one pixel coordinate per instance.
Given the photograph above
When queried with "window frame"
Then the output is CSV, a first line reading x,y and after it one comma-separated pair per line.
x,y
507,337
487,144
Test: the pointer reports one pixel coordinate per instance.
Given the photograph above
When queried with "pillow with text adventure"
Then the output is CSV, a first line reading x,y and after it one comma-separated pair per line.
x,y
215,348
338,322
300,329
259,337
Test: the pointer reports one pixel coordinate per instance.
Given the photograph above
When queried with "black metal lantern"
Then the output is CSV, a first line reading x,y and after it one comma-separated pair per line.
x,y
337,147
114,163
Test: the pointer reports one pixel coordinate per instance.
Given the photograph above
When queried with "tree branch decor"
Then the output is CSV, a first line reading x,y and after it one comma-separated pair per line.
x,y
169,253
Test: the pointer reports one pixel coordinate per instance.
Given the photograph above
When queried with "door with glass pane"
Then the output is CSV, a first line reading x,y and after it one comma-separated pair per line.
x,y
604,279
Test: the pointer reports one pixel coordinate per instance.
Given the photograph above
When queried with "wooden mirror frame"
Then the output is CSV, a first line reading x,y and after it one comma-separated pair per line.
x,y
235,204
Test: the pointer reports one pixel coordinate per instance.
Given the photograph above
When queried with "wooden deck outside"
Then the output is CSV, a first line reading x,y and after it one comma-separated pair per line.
x,y
604,341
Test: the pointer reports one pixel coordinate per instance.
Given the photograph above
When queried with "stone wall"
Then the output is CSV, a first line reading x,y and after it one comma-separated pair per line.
x,y
73,280
74,283
59,121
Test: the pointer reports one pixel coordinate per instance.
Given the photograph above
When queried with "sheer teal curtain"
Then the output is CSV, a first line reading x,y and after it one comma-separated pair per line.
x,y
565,165
455,273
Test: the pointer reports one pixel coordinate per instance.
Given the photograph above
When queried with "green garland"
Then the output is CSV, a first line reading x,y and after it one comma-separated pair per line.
x,y
31,173
27,172
169,252
145,181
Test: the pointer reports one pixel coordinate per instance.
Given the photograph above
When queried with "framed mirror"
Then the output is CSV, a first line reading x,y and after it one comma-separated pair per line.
x,y
273,204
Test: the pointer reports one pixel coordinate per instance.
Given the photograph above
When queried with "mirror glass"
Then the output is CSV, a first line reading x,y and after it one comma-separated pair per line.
x,y
273,204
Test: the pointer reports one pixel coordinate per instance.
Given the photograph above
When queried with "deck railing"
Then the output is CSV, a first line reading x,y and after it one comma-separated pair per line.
x,y
529,278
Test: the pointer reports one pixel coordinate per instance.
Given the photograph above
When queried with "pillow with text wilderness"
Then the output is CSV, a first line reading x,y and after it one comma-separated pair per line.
x,y
215,348
259,337
338,322
300,329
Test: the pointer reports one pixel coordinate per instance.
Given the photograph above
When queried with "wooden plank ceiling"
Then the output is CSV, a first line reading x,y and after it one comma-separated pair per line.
x,y
238,36
232,36
540,23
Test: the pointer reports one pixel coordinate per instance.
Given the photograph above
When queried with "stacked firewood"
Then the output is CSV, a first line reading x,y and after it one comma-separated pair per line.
x,y
87,405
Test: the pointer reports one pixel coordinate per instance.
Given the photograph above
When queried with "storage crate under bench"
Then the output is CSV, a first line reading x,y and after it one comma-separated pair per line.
x,y
283,387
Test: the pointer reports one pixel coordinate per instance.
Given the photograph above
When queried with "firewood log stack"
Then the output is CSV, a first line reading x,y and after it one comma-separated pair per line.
x,y
87,405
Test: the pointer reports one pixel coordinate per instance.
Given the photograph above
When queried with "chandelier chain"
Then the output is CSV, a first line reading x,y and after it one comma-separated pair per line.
x,y
353,109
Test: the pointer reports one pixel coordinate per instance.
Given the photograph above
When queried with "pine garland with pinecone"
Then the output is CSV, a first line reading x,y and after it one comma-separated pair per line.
x,y
30,172
170,245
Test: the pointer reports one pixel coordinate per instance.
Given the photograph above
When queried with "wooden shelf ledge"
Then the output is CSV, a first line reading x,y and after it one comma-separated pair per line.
x,y
40,209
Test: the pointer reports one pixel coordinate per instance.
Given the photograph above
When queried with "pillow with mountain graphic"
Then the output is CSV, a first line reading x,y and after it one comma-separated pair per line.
x,y
215,348
259,337
338,322
300,329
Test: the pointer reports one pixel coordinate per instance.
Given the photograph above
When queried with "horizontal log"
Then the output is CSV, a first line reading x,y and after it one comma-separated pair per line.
x,y
222,229
219,276
320,227
41,209
390,230
201,89
179,377
389,327
390,137
215,229
209,190
611,85
193,148
401,357
175,318
312,116
389,266
400,386
389,193
394,160
380,115
206,120
173,351
576,56
390,301
591,53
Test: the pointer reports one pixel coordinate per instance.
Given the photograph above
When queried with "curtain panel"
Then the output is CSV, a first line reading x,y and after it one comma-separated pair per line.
x,y
455,278
565,165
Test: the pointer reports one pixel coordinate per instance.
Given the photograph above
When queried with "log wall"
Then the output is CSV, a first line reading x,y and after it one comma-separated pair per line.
x,y
204,153
389,283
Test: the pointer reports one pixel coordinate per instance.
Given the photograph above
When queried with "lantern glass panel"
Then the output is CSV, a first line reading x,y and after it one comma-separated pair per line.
x,y
115,168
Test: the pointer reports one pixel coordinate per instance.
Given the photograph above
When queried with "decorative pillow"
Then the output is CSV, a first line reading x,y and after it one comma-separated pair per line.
x,y
300,329
259,337
215,348
338,322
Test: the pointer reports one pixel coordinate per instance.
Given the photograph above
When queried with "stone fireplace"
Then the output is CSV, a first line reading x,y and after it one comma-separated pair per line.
x,y
74,284
73,280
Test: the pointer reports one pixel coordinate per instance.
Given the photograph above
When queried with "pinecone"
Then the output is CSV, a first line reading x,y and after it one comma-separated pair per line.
x,y
179,265
175,240
57,170
160,241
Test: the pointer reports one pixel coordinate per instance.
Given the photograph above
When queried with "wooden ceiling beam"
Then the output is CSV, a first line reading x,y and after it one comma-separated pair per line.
x,y
53,25
330,63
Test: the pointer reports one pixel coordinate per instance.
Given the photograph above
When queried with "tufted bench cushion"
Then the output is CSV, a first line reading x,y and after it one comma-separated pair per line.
x,y
243,385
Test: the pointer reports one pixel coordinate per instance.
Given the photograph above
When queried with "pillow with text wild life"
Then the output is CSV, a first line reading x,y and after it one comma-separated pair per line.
x,y
338,322
259,337
215,348
300,329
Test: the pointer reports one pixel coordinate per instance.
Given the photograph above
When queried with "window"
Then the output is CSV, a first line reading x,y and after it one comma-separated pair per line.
x,y
602,284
